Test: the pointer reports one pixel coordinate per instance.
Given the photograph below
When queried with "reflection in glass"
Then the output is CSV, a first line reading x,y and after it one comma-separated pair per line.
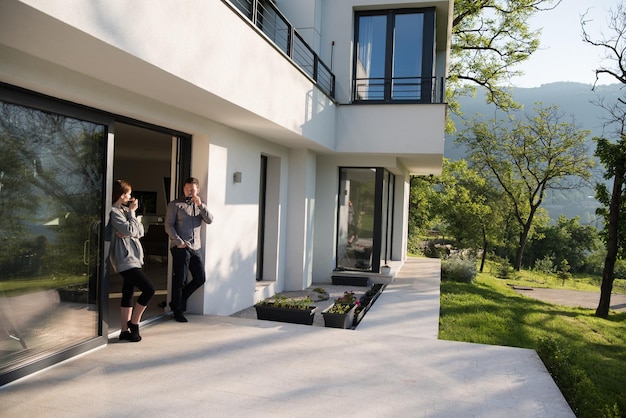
x,y
51,182
370,65
407,56
390,62
356,218
387,218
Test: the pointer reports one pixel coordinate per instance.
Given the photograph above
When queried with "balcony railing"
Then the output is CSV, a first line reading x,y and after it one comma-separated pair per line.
x,y
265,16
399,90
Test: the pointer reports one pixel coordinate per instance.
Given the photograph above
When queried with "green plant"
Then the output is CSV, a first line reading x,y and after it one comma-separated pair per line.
x,y
348,298
288,303
583,396
344,303
545,265
339,308
439,248
563,272
458,269
504,269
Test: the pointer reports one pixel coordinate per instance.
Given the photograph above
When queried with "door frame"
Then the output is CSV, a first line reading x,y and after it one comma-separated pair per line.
x,y
33,99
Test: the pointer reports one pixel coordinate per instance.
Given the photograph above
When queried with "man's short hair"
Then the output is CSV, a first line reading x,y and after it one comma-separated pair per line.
x,y
192,180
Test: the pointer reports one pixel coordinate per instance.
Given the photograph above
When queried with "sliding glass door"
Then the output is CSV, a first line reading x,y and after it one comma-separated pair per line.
x,y
51,206
364,218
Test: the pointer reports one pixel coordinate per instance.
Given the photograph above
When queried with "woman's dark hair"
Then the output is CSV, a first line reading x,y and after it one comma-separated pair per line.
x,y
119,188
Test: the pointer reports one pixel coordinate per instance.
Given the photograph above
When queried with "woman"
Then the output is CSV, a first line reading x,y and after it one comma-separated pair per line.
x,y
127,259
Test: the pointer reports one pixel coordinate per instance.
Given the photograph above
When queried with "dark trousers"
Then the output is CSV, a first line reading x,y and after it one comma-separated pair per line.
x,y
135,277
185,260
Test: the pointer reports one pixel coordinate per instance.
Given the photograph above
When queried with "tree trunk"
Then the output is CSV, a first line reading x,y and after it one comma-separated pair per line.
x,y
519,253
612,245
484,255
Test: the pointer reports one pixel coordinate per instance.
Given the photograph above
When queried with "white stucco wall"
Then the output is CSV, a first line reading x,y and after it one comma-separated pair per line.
x,y
107,63
231,241
182,48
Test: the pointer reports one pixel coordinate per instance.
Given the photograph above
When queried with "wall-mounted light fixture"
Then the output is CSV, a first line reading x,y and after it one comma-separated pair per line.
x,y
237,177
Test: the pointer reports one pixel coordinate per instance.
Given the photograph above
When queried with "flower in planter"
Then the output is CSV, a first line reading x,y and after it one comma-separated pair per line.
x,y
288,303
339,308
348,298
344,303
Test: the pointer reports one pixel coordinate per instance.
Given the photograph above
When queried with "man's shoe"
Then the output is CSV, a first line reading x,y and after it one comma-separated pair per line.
x,y
178,316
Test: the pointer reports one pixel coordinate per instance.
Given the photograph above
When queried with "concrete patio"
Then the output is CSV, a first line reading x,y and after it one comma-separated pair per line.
x,y
392,365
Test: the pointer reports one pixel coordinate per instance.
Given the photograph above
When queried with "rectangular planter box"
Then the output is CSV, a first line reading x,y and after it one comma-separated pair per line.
x,y
350,280
334,320
358,317
293,316
72,295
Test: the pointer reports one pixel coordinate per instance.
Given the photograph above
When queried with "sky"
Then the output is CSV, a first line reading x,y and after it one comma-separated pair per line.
x,y
562,55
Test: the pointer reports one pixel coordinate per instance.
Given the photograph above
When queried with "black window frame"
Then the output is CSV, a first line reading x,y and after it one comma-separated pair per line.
x,y
428,45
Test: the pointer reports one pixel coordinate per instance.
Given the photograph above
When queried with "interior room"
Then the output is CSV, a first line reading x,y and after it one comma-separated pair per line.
x,y
143,158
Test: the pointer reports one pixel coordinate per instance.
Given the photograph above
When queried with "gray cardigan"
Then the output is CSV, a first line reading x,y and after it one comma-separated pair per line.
x,y
126,252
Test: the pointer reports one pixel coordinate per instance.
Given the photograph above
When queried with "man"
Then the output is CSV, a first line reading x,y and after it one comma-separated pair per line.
x,y
183,220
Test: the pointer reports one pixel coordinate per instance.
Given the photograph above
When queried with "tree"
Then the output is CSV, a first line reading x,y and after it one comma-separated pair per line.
x,y
469,207
613,45
565,240
612,154
527,158
490,37
613,157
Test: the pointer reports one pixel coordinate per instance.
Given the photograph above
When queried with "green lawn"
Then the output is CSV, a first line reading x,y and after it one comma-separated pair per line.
x,y
582,282
16,286
585,354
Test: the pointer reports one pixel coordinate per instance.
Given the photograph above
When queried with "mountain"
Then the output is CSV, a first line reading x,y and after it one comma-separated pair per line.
x,y
574,100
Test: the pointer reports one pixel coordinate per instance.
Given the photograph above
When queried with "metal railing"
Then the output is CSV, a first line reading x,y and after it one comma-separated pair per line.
x,y
399,89
265,16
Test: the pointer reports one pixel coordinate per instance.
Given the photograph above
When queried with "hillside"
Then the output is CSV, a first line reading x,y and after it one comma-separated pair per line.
x,y
573,99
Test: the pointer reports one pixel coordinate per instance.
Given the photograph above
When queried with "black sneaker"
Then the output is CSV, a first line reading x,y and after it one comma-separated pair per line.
x,y
125,336
178,316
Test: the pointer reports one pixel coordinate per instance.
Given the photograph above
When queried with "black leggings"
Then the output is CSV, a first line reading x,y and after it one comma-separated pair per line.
x,y
136,278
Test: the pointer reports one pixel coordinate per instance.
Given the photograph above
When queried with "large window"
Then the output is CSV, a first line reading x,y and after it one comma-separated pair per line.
x,y
51,200
394,55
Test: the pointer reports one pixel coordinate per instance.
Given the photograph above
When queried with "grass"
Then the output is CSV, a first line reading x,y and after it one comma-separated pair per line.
x,y
15,286
490,312
584,282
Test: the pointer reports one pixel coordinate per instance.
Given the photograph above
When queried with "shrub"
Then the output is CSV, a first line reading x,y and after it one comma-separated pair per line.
x,y
438,248
563,272
503,267
583,396
415,244
458,269
545,265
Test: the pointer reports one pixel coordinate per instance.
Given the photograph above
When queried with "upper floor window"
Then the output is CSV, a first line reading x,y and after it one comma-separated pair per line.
x,y
394,55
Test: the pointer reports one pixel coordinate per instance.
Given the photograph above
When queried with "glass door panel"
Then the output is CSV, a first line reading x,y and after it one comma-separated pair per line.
x,y
407,56
370,60
387,217
51,188
356,219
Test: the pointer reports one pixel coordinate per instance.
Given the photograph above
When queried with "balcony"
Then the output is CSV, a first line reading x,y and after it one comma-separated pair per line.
x,y
268,19
430,90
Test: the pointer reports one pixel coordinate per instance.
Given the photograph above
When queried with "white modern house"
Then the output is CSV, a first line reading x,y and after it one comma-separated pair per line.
x,y
302,119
